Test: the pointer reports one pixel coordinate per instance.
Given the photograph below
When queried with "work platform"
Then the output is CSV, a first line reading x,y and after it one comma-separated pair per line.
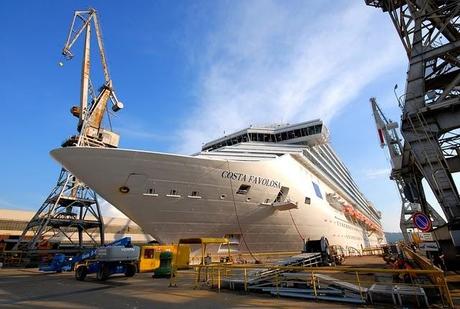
x,y
359,281
21,288
364,280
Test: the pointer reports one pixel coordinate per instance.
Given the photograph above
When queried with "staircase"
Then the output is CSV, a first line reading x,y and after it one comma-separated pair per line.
x,y
259,278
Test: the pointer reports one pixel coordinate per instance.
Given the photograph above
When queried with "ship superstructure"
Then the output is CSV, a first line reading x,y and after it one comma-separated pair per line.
x,y
268,188
308,143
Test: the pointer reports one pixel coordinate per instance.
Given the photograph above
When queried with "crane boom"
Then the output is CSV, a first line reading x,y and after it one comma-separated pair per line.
x,y
387,134
86,17
91,112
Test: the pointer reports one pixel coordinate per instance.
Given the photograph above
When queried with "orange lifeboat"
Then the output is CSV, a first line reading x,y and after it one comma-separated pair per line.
x,y
347,209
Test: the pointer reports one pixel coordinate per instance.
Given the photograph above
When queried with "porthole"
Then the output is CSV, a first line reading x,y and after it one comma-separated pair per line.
x,y
248,199
123,189
223,196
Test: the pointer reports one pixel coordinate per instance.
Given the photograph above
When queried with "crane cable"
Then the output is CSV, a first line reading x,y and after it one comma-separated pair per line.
x,y
296,228
238,219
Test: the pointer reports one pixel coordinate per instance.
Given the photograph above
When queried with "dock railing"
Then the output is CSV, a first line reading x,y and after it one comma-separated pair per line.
x,y
359,285
372,251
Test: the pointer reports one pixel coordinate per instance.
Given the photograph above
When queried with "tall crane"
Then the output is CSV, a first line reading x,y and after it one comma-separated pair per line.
x,y
72,207
409,184
429,31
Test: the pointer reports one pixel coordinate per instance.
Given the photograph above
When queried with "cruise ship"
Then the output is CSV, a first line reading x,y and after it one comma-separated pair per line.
x,y
266,188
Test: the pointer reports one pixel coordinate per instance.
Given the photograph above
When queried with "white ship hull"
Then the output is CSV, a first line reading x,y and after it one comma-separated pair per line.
x,y
173,197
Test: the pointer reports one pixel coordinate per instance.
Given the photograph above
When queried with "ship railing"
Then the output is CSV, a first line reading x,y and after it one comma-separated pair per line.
x,y
372,251
403,287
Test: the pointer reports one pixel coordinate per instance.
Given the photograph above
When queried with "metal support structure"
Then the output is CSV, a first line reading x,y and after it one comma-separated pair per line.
x,y
72,211
409,183
69,213
430,33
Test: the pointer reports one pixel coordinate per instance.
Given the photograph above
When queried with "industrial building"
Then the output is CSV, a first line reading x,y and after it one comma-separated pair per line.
x,y
13,222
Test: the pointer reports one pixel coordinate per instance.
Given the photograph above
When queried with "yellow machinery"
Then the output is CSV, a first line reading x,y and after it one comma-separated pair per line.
x,y
204,242
205,259
150,256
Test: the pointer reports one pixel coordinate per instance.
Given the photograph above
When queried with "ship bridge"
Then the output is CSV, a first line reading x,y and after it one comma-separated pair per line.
x,y
305,133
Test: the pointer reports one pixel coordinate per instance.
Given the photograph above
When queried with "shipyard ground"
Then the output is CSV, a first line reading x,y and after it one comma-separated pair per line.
x,y
29,288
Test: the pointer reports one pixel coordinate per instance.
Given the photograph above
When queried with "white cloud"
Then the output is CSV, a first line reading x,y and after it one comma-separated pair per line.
x,y
268,61
377,173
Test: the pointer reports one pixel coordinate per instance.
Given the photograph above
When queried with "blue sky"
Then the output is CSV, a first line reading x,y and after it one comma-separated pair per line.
x,y
189,70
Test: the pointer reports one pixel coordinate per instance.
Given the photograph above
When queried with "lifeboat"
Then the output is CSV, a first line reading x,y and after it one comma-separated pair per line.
x,y
348,210
360,217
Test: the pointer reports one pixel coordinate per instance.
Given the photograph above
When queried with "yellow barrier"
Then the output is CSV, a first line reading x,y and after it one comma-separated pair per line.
x,y
438,277
213,275
243,257
372,251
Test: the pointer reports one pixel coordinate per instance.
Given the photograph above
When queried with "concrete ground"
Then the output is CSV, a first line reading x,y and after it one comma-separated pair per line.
x,y
29,288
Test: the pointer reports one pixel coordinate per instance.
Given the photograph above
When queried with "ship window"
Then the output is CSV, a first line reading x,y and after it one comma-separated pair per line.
x,y
195,194
149,253
244,189
307,200
223,196
317,190
150,192
173,193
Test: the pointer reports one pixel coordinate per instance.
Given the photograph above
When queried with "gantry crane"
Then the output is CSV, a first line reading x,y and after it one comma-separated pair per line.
x,y
72,207
430,33
409,182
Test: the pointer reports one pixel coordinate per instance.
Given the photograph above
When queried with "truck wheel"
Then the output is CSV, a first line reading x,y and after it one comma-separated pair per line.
x,y
102,273
130,270
80,273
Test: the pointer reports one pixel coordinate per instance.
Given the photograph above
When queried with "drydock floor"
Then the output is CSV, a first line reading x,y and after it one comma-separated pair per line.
x,y
29,288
